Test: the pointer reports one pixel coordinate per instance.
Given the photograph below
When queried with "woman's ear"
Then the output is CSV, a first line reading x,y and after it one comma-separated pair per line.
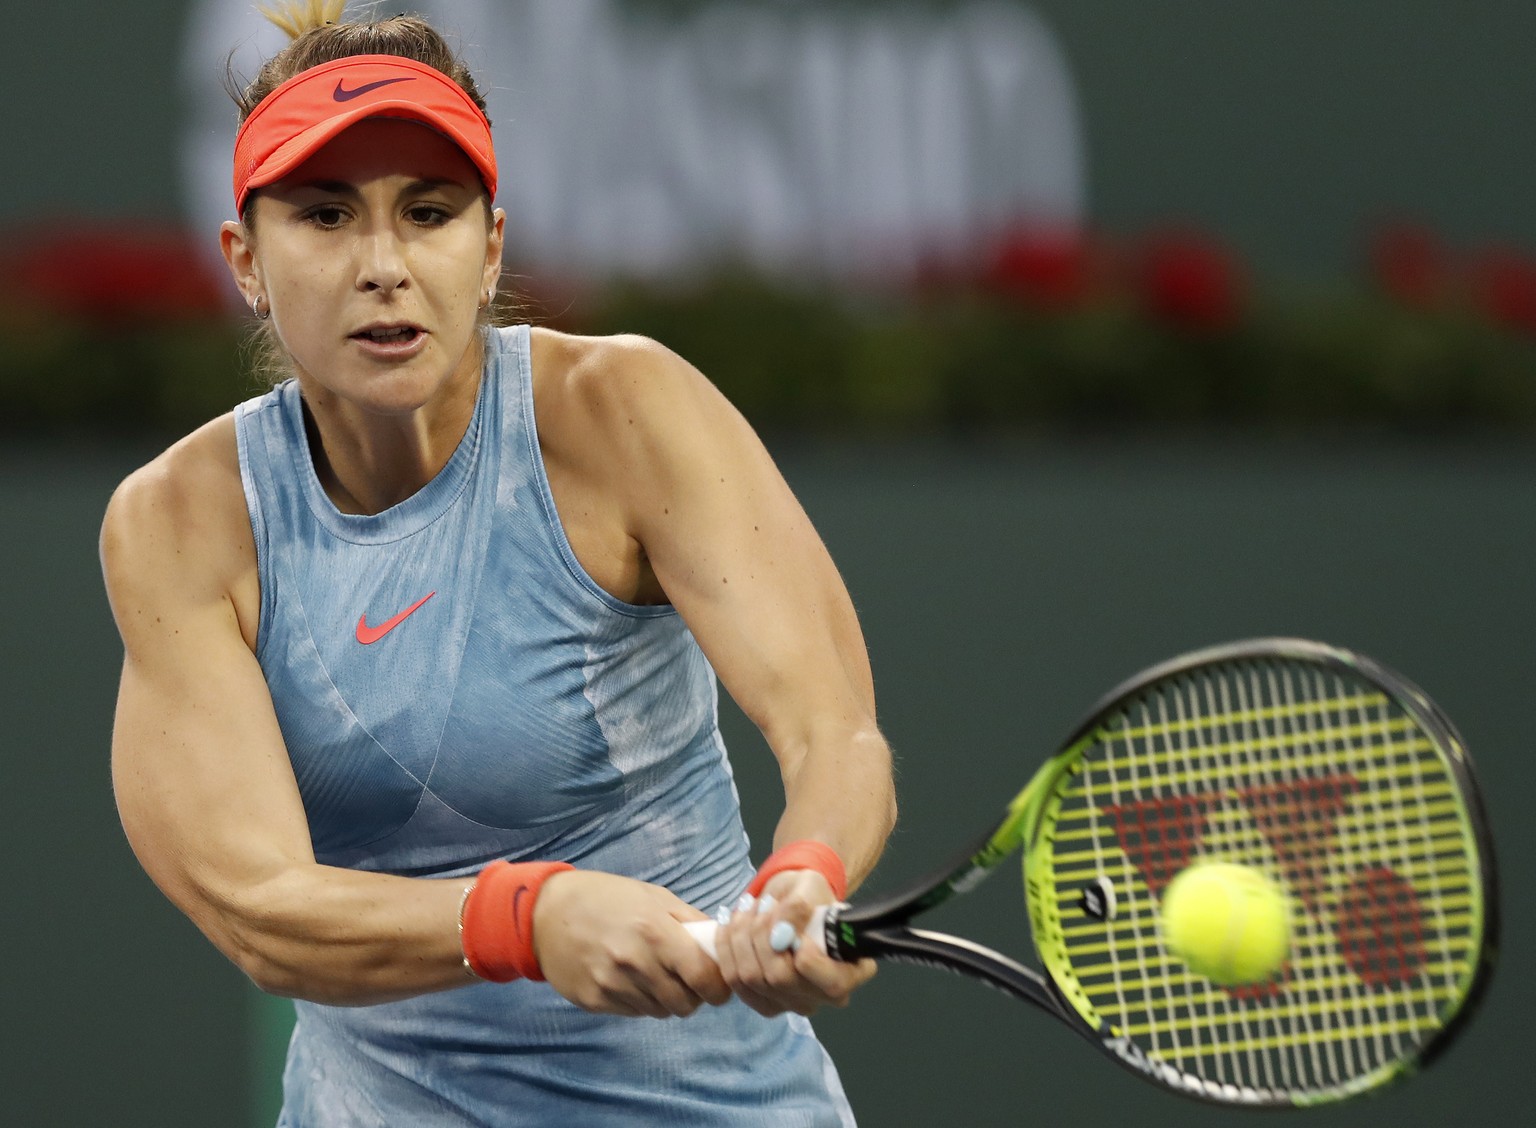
x,y
240,254
494,243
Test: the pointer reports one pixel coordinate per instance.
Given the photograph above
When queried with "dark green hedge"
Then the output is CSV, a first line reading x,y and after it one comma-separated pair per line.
x,y
956,361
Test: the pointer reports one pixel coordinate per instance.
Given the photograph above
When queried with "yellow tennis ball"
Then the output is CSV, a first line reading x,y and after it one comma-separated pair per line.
x,y
1229,923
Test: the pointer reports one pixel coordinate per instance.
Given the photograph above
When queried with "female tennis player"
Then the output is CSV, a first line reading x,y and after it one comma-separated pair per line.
x,y
418,706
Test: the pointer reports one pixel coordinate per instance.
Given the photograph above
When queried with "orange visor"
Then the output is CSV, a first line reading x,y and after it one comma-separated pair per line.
x,y
301,115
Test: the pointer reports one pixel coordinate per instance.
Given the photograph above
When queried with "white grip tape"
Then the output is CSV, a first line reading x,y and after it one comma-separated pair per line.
x,y
703,931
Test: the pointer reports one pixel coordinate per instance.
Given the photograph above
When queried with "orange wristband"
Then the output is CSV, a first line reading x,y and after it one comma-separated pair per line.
x,y
496,922
807,854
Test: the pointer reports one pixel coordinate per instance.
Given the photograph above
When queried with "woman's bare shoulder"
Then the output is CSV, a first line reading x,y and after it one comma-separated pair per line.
x,y
613,383
180,520
192,479
573,358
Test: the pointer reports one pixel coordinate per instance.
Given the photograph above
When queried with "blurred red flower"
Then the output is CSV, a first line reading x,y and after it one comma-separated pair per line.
x,y
1053,269
1503,285
1411,264
1191,280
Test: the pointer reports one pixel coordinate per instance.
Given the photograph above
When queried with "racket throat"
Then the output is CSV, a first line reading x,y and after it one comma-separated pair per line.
x,y
962,957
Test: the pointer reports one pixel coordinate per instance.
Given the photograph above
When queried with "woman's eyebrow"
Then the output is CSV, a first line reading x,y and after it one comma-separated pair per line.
x,y
329,187
346,188
435,185
431,184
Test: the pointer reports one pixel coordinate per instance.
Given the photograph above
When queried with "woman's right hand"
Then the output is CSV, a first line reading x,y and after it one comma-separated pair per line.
x,y
615,945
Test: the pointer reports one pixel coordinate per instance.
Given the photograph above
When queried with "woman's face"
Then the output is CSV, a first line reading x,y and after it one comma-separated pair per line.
x,y
375,255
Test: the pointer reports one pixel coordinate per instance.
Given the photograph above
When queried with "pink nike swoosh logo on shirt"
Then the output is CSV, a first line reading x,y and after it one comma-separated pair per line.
x,y
369,635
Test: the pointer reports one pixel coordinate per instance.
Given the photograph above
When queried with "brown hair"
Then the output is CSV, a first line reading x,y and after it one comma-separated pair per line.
x,y
319,35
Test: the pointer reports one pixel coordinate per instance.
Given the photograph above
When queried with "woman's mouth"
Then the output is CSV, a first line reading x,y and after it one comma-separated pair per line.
x,y
384,335
391,341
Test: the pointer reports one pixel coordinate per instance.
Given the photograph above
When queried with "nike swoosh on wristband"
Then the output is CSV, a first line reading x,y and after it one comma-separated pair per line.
x,y
369,635
343,95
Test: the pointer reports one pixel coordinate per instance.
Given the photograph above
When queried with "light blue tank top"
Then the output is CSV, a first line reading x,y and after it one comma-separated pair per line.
x,y
454,688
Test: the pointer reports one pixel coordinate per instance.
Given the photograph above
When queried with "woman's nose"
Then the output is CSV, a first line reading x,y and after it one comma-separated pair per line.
x,y
381,264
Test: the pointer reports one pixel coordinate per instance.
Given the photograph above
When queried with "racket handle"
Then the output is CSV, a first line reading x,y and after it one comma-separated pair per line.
x,y
703,931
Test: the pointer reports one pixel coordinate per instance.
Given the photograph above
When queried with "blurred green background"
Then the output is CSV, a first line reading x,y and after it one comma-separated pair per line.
x,y
1037,477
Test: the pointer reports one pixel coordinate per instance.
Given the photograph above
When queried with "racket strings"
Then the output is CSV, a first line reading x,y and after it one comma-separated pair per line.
x,y
1335,791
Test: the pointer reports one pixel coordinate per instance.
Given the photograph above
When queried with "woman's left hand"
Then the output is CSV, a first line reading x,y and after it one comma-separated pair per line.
x,y
802,979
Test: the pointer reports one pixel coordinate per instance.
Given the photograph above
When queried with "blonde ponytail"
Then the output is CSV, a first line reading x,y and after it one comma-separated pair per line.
x,y
296,17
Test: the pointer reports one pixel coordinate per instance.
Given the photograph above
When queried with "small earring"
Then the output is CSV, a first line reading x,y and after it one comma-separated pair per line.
x,y
261,308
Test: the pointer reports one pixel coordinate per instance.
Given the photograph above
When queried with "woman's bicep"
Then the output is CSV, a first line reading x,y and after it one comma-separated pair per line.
x,y
202,780
200,773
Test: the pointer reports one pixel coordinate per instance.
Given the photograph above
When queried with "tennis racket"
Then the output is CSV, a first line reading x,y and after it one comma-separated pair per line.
x,y
1332,774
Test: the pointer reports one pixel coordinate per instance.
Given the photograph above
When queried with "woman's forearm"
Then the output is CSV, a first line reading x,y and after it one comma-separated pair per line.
x,y
841,792
343,937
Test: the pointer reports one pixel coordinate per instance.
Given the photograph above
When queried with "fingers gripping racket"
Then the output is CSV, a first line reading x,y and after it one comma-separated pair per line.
x,y
1334,776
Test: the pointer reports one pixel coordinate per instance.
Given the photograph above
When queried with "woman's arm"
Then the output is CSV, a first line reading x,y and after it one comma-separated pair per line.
x,y
202,779
207,795
735,553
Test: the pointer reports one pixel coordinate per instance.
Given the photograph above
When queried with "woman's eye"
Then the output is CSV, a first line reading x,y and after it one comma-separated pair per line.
x,y
428,216
327,216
